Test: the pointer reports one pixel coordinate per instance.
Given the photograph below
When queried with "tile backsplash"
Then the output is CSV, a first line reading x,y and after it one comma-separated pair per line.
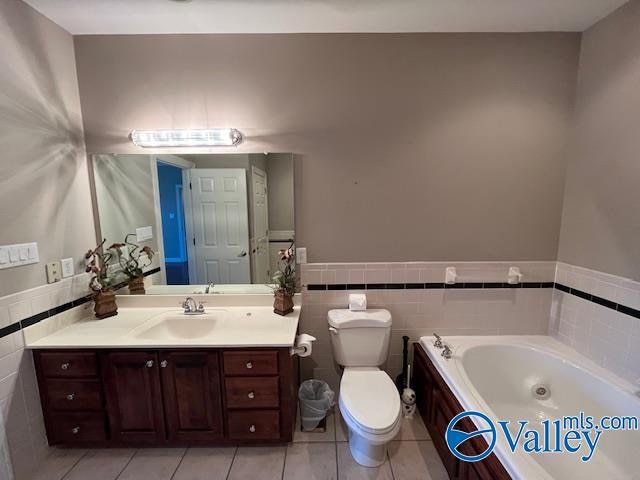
x,y
23,440
599,315
420,304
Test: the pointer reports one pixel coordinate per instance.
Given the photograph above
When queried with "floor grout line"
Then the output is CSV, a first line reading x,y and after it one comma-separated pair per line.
x,y
337,467
393,475
74,465
135,451
127,464
179,463
232,460
284,464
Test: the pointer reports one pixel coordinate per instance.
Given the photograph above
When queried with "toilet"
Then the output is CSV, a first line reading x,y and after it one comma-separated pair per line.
x,y
369,401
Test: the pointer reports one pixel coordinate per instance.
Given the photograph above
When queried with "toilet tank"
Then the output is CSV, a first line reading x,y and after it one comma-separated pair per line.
x,y
360,339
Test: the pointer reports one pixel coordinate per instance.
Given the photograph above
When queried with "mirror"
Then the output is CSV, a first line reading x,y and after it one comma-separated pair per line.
x,y
215,222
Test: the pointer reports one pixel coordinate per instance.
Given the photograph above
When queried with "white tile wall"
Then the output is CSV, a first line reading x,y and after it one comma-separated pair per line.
x,y
23,443
608,337
422,312
421,272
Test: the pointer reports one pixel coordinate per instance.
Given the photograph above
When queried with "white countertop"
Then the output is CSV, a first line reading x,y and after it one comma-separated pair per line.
x,y
221,326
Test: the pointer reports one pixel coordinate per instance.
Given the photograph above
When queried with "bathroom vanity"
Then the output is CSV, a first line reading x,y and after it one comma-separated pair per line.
x,y
154,377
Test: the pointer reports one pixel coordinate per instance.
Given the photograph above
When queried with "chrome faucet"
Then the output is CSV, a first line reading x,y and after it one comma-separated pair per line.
x,y
438,342
191,307
446,352
209,288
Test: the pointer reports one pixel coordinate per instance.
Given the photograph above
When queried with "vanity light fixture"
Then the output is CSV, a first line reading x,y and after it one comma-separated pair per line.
x,y
213,137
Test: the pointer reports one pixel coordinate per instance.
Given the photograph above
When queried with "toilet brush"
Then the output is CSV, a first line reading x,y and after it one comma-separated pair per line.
x,y
401,379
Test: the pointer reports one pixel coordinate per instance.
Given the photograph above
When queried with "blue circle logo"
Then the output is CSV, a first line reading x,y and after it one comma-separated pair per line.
x,y
456,438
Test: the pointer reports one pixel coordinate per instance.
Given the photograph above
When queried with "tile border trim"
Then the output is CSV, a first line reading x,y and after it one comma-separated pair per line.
x,y
427,286
633,312
477,285
38,317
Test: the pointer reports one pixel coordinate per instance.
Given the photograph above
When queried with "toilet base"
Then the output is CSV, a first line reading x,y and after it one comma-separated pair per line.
x,y
365,452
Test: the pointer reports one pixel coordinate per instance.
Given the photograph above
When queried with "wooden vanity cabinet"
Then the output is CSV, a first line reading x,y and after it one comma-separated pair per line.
x,y
191,392
134,396
437,405
167,397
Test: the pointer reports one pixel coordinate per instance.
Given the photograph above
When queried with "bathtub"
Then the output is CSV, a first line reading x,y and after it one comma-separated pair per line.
x,y
499,375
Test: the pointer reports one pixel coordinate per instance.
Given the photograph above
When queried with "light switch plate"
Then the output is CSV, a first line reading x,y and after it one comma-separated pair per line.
x,y
18,255
67,267
54,272
144,233
301,255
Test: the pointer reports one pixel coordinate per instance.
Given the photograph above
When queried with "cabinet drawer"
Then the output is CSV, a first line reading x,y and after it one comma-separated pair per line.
x,y
252,392
70,428
250,362
76,395
68,365
254,425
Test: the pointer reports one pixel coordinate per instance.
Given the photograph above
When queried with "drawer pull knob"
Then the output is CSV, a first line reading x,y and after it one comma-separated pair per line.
x,y
249,365
65,366
71,396
164,364
75,430
149,364
251,395
252,428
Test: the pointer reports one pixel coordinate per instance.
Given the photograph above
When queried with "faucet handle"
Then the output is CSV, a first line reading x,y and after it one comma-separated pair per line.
x,y
446,352
438,341
201,307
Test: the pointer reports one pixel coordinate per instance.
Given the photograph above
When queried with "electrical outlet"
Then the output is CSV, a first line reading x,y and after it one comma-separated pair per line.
x,y
67,267
301,255
54,272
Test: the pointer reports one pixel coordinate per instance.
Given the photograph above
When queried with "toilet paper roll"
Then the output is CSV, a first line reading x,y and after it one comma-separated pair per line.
x,y
357,302
303,346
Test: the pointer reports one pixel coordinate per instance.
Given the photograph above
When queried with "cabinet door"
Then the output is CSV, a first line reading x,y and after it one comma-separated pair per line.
x,y
441,416
134,401
191,386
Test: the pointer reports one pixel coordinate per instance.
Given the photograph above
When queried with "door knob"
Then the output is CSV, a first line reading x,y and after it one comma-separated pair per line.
x,y
65,366
242,253
164,364
251,395
252,428
71,396
249,365
75,430
149,364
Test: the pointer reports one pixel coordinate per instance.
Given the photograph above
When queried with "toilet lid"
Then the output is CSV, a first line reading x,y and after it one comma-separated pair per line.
x,y
369,397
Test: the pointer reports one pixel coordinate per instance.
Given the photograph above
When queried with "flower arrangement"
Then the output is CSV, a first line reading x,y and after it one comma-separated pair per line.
x,y
131,260
285,282
101,282
285,278
98,264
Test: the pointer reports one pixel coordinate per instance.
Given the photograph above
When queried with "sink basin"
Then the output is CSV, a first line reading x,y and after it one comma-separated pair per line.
x,y
180,326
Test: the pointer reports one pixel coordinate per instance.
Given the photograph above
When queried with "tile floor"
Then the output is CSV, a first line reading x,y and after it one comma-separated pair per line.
x,y
311,456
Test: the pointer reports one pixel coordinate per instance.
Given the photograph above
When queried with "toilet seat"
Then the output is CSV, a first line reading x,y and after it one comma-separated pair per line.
x,y
369,400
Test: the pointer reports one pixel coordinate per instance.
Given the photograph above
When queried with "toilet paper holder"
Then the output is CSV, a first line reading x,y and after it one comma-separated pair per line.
x,y
303,345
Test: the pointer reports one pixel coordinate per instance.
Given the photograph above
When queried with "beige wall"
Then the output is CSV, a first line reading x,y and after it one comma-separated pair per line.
x,y
601,219
44,186
409,147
